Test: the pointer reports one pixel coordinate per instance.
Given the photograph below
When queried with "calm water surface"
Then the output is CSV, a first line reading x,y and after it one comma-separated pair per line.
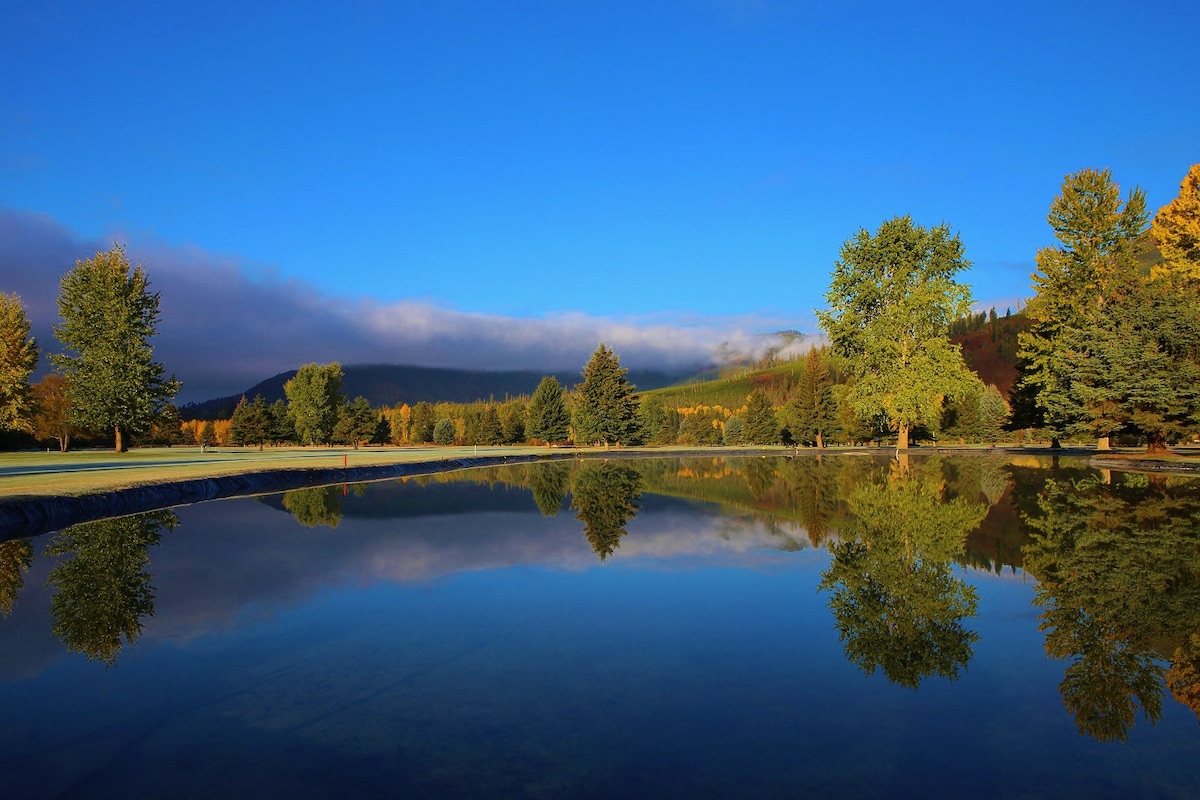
x,y
660,628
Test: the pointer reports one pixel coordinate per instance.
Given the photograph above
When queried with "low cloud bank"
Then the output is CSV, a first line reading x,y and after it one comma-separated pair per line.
x,y
225,325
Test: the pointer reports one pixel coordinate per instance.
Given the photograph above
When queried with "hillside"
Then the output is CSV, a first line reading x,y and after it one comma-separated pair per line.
x,y
731,391
991,351
392,384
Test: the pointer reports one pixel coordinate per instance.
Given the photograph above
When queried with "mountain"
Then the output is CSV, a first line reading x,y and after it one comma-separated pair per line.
x,y
392,384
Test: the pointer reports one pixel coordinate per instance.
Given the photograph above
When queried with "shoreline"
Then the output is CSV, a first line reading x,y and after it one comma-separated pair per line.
x,y
25,516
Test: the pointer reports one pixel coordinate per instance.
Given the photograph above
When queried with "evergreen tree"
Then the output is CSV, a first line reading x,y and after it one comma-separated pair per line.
x,y
423,422
18,357
606,407
356,423
512,422
1097,236
892,298
283,424
252,423
109,317
444,432
812,413
735,431
491,432
549,420
314,396
760,423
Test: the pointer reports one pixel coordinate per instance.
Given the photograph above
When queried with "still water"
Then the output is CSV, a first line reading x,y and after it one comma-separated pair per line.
x,y
630,628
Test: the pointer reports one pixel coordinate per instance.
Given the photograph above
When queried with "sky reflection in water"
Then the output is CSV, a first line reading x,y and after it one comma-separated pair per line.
x,y
465,638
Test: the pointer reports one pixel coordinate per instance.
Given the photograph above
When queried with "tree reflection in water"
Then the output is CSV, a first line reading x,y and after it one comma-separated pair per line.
x,y
549,483
897,605
15,557
1118,569
103,591
606,497
320,505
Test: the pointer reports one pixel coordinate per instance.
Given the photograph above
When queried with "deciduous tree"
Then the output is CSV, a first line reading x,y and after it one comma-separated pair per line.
x,y
18,357
1176,228
109,318
314,398
52,419
891,300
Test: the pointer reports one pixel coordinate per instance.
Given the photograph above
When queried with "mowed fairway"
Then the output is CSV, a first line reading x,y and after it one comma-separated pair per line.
x,y
43,474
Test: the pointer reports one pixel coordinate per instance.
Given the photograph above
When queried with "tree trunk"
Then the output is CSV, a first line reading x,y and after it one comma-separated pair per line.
x,y
1156,444
120,445
820,441
1055,444
902,438
1103,443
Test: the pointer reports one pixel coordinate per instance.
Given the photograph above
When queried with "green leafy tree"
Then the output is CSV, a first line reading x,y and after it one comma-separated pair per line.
x,y
167,428
549,420
761,426
356,423
701,427
315,398
109,317
811,414
18,357
1098,235
606,408
606,497
891,300
103,591
444,432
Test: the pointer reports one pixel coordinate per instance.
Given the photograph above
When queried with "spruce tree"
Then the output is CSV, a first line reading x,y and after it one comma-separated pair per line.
x,y
549,420
606,408
760,425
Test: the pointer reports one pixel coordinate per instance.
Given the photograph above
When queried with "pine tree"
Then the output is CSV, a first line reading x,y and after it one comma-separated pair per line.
x,y
1097,235
606,408
760,425
812,413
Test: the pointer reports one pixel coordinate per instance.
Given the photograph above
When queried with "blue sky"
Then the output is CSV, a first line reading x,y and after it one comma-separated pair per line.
x,y
433,173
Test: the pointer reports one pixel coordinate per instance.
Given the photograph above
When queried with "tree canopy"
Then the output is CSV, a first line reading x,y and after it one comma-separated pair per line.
x,y
891,299
18,357
109,318
314,399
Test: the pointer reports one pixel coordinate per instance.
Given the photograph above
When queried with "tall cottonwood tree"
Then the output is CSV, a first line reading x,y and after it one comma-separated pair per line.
x,y
1098,235
18,357
109,318
314,396
891,300
606,408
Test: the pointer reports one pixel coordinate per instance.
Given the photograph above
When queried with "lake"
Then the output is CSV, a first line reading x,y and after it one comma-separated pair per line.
x,y
706,627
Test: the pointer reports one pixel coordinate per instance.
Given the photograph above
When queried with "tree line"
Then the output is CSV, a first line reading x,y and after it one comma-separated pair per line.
x,y
1112,350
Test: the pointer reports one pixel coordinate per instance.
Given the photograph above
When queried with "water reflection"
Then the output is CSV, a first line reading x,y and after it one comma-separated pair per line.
x,y
897,604
15,557
1117,559
103,590
606,498
1118,569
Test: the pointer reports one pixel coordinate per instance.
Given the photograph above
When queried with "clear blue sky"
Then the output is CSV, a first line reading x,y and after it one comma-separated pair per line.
x,y
649,161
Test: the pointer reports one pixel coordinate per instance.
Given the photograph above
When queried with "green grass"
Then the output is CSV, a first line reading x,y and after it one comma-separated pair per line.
x,y
732,392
